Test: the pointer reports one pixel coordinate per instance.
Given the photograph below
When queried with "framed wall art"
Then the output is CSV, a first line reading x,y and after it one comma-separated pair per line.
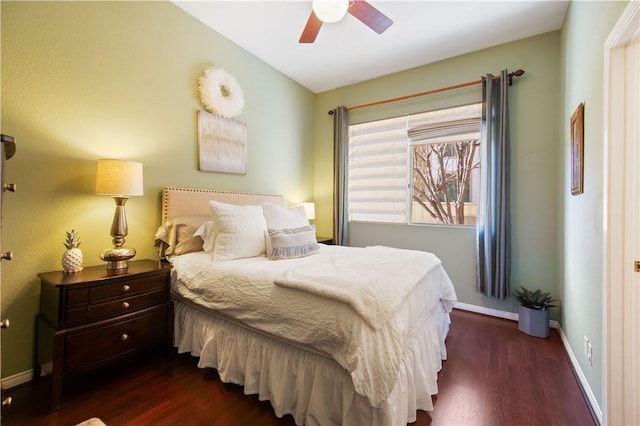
x,y
576,130
222,144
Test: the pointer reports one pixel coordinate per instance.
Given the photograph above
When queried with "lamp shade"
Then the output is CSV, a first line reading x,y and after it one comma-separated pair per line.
x,y
119,178
310,210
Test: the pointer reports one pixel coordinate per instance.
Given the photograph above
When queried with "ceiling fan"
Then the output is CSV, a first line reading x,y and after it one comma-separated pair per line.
x,y
333,10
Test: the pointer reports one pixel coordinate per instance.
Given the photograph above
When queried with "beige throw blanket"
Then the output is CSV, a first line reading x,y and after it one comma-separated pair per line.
x,y
374,284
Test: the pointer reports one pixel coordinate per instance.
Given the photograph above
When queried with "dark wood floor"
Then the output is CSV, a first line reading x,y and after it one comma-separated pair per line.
x,y
495,375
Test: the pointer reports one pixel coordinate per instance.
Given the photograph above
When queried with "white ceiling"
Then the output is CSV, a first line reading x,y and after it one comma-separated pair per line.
x,y
348,52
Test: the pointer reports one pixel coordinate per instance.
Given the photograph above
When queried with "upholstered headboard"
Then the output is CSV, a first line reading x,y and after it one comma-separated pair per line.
x,y
189,201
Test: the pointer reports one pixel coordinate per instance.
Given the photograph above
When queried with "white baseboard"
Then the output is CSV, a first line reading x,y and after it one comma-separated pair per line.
x,y
495,313
24,377
591,399
17,379
486,311
597,411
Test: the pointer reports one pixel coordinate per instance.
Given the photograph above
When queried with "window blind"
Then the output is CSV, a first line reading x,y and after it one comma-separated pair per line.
x,y
379,171
446,125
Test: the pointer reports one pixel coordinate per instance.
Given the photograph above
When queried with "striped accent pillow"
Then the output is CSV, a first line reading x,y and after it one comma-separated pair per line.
x,y
291,243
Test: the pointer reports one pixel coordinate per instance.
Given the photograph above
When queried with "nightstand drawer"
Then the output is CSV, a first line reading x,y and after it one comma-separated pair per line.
x,y
98,344
98,311
125,288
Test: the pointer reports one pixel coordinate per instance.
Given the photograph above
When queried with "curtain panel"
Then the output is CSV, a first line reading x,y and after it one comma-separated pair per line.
x,y
493,229
340,169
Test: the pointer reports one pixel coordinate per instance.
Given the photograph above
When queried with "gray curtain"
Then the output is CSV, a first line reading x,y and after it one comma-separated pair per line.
x,y
493,228
340,159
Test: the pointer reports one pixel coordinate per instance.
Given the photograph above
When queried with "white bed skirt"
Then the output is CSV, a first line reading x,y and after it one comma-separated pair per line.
x,y
312,387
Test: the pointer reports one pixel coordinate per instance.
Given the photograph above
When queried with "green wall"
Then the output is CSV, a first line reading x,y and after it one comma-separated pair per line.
x,y
587,26
557,237
535,113
88,80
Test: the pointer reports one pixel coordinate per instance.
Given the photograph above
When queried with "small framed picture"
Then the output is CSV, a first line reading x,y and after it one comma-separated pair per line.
x,y
576,129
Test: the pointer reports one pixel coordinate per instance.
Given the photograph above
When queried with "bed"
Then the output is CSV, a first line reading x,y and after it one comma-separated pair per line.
x,y
331,335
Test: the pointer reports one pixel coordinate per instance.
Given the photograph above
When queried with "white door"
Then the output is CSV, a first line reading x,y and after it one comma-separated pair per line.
x,y
622,289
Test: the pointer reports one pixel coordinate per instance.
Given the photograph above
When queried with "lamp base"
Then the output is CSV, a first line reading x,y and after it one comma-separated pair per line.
x,y
117,258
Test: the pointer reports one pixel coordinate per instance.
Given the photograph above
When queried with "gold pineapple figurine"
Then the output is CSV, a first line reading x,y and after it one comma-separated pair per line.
x,y
72,257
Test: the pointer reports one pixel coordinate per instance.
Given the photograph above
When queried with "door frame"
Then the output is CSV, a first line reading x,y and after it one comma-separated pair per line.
x,y
621,325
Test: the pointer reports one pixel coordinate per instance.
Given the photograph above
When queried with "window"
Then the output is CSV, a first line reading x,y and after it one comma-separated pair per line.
x,y
421,168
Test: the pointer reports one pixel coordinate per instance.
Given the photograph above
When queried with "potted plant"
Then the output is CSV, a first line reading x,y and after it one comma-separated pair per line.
x,y
533,315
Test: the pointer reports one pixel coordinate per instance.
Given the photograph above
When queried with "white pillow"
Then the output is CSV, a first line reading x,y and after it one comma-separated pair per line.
x,y
291,243
207,232
239,231
278,217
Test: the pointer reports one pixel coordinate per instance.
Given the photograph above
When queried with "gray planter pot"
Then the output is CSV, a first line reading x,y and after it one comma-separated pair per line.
x,y
533,322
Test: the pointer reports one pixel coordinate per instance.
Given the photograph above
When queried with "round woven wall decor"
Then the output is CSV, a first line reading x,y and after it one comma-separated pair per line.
x,y
220,93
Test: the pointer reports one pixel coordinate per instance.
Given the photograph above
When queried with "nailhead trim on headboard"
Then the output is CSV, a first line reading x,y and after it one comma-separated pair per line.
x,y
193,201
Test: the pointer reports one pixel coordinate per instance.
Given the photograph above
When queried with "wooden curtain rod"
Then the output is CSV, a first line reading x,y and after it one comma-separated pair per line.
x,y
516,73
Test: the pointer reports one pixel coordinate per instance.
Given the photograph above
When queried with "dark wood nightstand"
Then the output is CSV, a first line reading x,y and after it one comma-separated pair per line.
x,y
94,317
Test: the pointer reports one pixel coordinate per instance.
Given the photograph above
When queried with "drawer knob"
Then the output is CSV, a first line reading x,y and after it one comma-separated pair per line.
x,y
4,323
125,305
124,337
7,402
126,288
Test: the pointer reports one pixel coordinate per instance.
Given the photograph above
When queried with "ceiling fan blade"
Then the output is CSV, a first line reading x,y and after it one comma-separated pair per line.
x,y
370,16
311,30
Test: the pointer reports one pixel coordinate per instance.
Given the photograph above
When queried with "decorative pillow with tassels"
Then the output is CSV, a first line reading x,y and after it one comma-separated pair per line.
x,y
292,243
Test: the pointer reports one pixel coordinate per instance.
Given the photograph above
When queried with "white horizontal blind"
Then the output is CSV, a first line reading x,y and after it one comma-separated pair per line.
x,y
379,171
446,125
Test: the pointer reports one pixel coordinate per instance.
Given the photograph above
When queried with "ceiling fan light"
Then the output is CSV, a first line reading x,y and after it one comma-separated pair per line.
x,y
330,11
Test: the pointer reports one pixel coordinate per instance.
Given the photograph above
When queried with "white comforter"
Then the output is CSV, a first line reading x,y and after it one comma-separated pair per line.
x,y
245,290
374,281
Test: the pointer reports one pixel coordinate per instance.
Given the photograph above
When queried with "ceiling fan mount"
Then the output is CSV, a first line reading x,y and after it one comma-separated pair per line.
x,y
333,10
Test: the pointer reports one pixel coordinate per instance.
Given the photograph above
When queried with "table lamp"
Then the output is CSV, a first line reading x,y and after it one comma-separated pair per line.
x,y
121,180
309,209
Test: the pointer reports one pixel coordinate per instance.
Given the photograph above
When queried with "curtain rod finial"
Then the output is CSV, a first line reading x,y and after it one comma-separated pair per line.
x,y
330,112
516,73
